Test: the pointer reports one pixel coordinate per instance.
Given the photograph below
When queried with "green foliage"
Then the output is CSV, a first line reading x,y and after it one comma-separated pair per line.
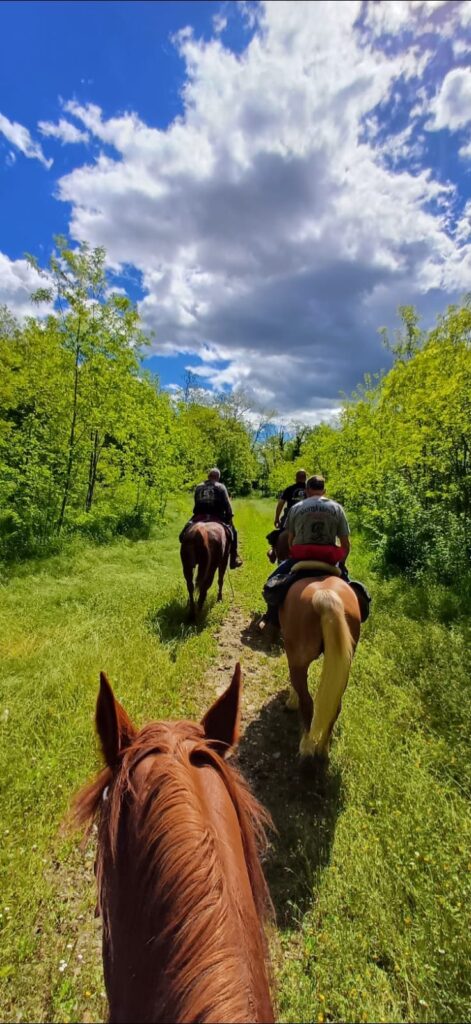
x,y
88,441
369,873
399,456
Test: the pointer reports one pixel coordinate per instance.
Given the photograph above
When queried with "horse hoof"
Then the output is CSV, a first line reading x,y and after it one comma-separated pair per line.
x,y
307,746
292,701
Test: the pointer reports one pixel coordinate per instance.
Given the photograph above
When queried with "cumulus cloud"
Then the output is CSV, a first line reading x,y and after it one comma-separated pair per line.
x,y
273,232
451,107
20,137
390,17
18,280
64,130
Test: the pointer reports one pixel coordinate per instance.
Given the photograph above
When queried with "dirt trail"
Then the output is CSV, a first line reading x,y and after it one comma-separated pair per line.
x,y
304,812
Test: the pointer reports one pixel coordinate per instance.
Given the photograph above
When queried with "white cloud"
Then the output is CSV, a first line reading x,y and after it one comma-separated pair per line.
x,y
219,22
405,145
451,107
269,232
20,137
464,12
17,282
64,130
390,17
463,231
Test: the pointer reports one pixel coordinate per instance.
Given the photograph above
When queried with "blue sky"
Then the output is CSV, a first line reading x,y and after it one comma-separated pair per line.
x,y
270,180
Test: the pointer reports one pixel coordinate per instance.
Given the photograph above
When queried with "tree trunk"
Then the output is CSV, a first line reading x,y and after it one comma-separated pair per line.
x,y
70,459
92,470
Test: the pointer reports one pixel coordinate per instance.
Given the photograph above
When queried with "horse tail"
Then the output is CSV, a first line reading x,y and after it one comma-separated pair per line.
x,y
338,653
204,559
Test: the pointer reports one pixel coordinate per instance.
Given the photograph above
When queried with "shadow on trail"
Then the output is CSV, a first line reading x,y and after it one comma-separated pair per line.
x,y
304,810
171,621
253,638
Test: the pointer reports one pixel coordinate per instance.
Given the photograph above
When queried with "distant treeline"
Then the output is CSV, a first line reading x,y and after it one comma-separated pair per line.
x,y
90,443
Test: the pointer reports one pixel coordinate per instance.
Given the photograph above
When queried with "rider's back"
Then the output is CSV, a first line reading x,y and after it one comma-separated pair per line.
x,y
317,520
211,498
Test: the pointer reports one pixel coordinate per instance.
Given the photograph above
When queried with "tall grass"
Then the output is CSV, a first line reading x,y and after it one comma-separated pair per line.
x,y
378,926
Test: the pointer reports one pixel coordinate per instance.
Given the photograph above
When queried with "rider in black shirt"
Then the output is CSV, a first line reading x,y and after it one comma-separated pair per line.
x,y
212,501
289,497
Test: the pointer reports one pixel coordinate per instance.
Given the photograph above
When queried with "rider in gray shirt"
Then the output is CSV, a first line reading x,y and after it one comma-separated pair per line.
x,y
317,519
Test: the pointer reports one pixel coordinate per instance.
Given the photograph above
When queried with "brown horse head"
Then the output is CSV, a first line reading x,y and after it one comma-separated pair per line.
x,y
180,886
205,547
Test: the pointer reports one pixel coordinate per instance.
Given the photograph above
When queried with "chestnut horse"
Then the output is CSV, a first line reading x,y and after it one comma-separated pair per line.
x,y
319,615
180,886
206,546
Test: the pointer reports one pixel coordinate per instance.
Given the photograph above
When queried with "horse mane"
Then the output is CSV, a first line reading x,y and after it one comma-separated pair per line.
x,y
182,878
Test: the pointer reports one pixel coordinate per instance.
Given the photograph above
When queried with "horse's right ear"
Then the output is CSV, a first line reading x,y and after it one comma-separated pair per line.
x,y
114,728
221,722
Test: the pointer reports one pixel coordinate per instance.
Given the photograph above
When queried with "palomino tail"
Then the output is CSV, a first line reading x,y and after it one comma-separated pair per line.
x,y
338,651
204,559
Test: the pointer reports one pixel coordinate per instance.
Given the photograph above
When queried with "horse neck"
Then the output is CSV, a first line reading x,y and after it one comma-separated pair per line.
x,y
206,961
245,974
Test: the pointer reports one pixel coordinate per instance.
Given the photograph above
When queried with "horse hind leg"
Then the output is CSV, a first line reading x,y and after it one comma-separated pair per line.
x,y
188,573
292,700
222,571
338,649
299,696
203,590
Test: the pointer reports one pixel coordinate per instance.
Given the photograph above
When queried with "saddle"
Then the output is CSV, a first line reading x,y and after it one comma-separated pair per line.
x,y
319,567
276,587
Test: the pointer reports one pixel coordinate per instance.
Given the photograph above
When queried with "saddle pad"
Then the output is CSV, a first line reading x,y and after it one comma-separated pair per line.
x,y
329,570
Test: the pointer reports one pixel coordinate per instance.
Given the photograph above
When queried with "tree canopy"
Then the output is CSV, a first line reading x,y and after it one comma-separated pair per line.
x,y
90,442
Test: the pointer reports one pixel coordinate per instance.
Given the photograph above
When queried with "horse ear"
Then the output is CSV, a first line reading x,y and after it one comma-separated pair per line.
x,y
114,728
222,720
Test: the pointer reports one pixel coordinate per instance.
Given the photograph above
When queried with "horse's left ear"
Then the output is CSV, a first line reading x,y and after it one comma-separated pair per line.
x,y
114,727
222,721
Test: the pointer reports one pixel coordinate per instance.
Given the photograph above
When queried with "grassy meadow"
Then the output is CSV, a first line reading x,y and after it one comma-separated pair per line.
x,y
371,876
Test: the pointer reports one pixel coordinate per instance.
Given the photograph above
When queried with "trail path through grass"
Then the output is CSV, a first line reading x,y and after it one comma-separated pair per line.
x,y
369,873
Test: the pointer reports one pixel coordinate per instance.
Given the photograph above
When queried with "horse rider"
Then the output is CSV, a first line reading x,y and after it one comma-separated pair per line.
x,y
314,527
212,504
289,497
315,524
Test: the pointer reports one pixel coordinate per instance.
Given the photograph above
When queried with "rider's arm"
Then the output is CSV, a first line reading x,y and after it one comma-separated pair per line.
x,y
290,527
227,503
345,543
279,509
343,530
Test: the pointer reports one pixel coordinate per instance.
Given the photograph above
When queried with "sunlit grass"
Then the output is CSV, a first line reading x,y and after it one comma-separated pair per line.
x,y
382,929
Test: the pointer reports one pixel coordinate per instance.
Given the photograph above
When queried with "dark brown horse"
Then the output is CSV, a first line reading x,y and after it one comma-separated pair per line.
x,y
180,887
205,546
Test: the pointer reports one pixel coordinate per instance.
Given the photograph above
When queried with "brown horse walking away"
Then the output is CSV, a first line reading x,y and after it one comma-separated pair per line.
x,y
207,547
319,615
180,886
